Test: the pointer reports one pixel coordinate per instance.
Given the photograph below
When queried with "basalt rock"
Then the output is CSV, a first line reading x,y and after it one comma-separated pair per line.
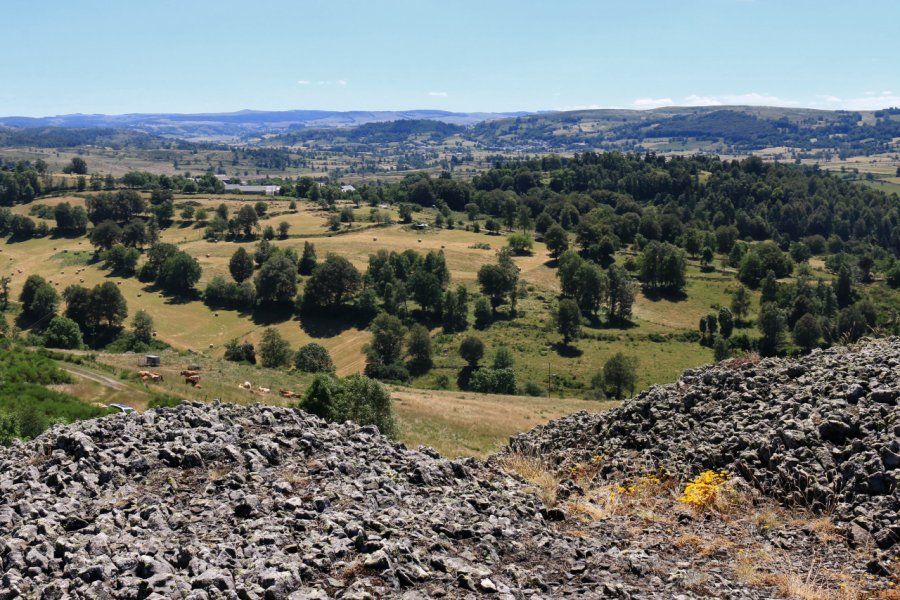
x,y
821,431
225,501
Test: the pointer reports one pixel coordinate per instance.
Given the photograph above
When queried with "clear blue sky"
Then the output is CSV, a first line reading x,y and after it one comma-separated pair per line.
x,y
119,56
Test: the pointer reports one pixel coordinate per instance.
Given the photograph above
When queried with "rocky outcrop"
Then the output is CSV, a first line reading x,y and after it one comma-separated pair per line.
x,y
821,432
225,501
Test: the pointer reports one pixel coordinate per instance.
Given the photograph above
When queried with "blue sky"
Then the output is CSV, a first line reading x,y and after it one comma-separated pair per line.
x,y
119,56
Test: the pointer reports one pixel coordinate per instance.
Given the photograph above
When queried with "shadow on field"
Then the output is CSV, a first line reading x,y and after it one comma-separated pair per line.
x,y
56,234
616,324
567,351
272,314
320,326
173,297
668,295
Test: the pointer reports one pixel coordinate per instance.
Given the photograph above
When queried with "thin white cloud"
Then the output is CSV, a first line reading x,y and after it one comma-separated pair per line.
x,y
438,94
868,101
695,100
322,82
752,99
644,103
580,107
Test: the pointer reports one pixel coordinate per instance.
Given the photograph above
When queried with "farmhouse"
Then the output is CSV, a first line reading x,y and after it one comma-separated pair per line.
x,y
346,189
268,190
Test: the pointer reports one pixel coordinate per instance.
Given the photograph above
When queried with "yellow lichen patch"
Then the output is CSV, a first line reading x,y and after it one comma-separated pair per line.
x,y
705,490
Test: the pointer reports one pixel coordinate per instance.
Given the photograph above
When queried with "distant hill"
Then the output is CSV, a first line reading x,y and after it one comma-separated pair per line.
x,y
246,122
718,129
71,137
746,128
375,133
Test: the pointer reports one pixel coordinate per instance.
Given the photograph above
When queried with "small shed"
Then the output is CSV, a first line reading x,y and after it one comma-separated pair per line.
x,y
151,360
420,226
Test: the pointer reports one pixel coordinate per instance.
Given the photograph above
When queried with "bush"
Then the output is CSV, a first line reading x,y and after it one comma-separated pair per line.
x,y
240,351
533,389
63,333
18,365
28,408
520,243
807,332
893,277
121,260
313,358
274,350
721,350
228,294
163,401
483,314
503,358
493,381
387,372
355,398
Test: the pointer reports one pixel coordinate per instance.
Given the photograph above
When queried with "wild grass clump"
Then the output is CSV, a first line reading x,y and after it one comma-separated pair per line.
x,y
534,472
163,401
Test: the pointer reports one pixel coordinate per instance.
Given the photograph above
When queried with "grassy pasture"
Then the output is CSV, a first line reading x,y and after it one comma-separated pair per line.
x,y
452,421
190,325
463,424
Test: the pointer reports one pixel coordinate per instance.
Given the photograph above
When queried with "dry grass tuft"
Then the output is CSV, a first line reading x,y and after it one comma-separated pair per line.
x,y
767,518
825,529
758,568
649,498
534,472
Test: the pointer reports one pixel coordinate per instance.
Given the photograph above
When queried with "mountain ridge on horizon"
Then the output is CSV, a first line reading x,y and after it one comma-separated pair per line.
x,y
718,127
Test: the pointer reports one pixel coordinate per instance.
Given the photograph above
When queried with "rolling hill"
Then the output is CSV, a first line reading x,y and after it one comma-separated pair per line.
x,y
245,122
719,129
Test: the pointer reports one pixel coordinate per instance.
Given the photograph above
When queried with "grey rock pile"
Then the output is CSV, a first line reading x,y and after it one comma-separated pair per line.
x,y
226,501
821,431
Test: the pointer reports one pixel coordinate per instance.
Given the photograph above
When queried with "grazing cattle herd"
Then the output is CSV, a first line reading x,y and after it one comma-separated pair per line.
x,y
150,376
192,378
